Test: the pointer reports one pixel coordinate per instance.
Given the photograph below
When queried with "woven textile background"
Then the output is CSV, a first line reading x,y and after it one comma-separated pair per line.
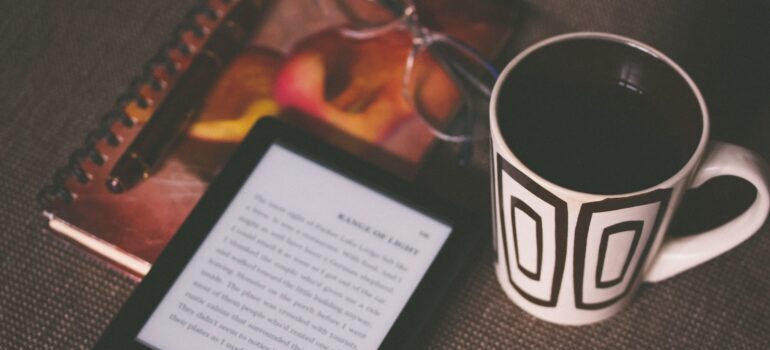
x,y
63,63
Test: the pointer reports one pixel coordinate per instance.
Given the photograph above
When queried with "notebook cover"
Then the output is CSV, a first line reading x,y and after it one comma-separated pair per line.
x,y
284,70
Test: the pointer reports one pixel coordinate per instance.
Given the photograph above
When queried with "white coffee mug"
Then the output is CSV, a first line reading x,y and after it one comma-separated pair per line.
x,y
572,251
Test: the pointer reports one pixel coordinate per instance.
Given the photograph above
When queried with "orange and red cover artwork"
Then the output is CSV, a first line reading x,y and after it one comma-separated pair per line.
x,y
351,85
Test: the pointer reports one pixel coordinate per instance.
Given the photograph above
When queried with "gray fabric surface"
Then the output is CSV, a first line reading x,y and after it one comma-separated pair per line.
x,y
62,64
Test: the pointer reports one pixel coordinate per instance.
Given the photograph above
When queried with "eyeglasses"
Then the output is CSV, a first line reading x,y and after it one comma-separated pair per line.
x,y
437,64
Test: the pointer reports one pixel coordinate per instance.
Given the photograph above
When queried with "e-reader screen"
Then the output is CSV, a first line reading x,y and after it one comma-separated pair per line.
x,y
302,258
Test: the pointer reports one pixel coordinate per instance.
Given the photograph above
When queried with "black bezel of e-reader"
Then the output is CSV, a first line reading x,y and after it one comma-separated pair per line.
x,y
456,252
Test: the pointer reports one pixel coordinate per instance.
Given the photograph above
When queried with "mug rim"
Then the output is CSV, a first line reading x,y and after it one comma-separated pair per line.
x,y
510,156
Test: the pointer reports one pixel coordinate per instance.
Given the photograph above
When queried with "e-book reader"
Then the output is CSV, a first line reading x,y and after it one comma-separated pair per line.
x,y
297,245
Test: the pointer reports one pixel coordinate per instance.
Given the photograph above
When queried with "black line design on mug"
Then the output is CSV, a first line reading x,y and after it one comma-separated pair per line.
x,y
550,224
523,207
493,203
597,226
626,226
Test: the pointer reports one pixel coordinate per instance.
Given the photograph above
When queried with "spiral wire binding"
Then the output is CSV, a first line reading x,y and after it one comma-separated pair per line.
x,y
89,151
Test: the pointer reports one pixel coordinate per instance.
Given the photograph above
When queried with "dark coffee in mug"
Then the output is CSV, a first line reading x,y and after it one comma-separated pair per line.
x,y
595,116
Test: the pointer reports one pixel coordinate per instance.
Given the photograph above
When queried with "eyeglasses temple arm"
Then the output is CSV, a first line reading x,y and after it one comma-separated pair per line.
x,y
459,69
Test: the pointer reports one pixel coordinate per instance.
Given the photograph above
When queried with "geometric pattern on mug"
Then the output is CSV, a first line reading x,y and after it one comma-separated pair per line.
x,y
533,224
612,240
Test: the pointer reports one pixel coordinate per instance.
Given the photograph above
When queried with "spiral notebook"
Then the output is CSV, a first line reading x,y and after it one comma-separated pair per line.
x,y
286,46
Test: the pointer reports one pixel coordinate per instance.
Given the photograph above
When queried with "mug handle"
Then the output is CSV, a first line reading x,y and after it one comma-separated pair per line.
x,y
722,159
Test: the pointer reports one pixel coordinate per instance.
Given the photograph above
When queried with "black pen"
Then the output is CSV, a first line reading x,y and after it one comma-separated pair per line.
x,y
176,111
